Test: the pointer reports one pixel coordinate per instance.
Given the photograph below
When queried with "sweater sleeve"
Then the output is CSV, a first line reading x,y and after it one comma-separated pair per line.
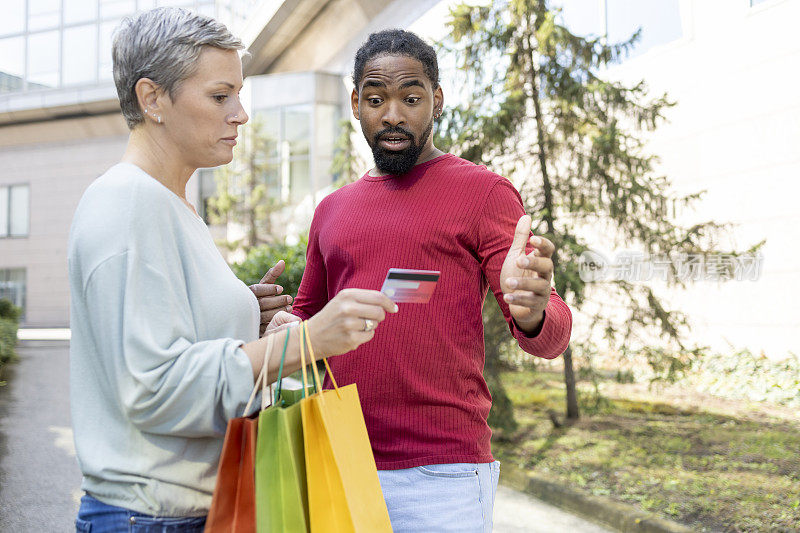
x,y
164,381
312,295
496,225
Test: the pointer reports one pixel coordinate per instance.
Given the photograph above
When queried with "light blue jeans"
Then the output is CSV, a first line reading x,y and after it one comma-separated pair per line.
x,y
95,516
448,497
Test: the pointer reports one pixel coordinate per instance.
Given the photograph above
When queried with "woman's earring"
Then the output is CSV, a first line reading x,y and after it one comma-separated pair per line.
x,y
158,117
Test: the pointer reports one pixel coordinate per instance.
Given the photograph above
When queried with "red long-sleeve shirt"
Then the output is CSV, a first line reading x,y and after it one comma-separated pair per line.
x,y
420,379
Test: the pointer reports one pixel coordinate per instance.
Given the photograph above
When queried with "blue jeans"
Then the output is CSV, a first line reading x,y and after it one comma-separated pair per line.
x,y
448,497
95,516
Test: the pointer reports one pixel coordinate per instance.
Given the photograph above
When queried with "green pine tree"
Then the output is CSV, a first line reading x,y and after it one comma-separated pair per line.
x,y
243,194
538,110
347,165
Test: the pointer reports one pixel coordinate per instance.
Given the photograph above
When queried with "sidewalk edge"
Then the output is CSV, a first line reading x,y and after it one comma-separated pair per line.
x,y
604,511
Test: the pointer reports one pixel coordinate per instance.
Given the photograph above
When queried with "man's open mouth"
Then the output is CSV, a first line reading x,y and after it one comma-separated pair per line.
x,y
394,142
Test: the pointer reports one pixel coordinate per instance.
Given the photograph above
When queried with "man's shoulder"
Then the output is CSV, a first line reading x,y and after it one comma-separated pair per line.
x,y
336,196
459,169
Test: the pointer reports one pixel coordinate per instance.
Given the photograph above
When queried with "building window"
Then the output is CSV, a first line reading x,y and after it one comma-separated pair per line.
x,y
286,132
47,44
14,211
12,286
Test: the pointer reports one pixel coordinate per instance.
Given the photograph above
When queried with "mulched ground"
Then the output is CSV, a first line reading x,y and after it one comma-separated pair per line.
x,y
715,465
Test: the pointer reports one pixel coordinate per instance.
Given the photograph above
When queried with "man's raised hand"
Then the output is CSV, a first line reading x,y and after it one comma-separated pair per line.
x,y
525,278
270,299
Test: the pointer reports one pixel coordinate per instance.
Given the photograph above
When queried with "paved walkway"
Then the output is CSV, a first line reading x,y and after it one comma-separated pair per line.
x,y
39,476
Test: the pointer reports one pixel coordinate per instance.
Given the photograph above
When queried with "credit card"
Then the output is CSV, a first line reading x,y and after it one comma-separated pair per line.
x,y
410,286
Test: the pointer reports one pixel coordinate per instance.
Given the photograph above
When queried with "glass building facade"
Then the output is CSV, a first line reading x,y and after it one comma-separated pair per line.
x,y
51,44
61,125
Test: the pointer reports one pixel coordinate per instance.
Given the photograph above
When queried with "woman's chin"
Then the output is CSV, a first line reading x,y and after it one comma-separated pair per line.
x,y
218,160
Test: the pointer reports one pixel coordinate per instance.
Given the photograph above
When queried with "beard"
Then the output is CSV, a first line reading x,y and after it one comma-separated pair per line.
x,y
399,162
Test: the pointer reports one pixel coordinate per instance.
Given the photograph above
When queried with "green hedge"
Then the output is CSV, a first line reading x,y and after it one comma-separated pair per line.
x,y
9,323
261,258
8,340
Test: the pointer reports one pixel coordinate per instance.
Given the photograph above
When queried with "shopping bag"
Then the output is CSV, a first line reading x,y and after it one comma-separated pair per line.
x,y
281,494
233,505
344,493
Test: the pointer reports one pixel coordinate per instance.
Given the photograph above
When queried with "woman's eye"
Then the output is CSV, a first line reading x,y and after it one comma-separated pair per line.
x,y
220,98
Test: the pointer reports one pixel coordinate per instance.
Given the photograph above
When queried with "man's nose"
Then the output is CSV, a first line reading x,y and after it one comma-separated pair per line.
x,y
393,115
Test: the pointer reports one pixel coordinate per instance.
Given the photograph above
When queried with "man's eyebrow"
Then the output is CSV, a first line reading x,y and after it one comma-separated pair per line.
x,y
412,83
374,83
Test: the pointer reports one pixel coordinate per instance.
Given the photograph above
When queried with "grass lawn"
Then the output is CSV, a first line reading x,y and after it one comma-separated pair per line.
x,y
711,470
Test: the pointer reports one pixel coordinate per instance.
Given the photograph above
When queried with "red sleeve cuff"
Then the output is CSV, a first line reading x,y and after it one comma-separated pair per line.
x,y
554,332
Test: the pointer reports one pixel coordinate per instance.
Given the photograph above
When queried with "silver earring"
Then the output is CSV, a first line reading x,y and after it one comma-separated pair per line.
x,y
159,119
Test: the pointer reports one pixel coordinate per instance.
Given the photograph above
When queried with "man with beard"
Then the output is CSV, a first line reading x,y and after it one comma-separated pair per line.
x,y
420,380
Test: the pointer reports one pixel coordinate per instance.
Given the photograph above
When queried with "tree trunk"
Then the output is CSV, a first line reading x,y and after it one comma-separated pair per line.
x,y
549,211
501,415
573,413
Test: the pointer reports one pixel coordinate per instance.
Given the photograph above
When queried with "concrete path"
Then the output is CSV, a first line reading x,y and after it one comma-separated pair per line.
x,y
39,476
516,512
40,480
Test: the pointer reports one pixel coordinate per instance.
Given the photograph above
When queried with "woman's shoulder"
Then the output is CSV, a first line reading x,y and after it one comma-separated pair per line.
x,y
125,183
120,203
124,190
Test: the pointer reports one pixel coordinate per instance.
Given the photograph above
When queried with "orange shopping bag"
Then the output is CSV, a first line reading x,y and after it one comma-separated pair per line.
x,y
233,506
344,493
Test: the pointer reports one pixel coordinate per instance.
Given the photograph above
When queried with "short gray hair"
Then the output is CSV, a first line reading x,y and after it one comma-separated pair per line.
x,y
162,44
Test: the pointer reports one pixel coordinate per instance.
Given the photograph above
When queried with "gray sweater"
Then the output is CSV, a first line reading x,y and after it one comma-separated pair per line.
x,y
156,365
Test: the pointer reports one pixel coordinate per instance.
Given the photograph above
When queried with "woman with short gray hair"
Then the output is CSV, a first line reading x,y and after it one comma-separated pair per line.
x,y
165,340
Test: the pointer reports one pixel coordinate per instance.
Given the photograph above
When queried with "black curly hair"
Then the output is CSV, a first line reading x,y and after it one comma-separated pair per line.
x,y
397,42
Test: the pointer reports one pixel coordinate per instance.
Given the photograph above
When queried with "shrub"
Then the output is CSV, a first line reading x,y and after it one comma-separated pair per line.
x,y
8,340
9,317
9,310
261,258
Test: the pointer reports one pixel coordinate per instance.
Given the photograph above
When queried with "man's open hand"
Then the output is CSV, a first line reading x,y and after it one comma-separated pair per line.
x,y
525,278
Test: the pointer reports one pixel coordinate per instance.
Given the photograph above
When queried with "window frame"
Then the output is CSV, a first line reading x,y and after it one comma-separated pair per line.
x,y
8,234
100,76
4,271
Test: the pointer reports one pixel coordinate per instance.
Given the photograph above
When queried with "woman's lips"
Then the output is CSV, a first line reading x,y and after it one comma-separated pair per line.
x,y
230,140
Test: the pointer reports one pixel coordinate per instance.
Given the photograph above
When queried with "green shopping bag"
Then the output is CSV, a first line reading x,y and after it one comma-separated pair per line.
x,y
281,491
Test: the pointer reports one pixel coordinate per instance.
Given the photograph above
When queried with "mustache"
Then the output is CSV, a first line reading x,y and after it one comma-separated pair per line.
x,y
394,129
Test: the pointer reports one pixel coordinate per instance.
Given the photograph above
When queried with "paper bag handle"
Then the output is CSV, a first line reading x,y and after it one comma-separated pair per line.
x,y
280,369
262,377
307,340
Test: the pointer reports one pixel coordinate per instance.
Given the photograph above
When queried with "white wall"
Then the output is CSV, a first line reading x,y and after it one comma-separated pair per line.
x,y
59,159
736,133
